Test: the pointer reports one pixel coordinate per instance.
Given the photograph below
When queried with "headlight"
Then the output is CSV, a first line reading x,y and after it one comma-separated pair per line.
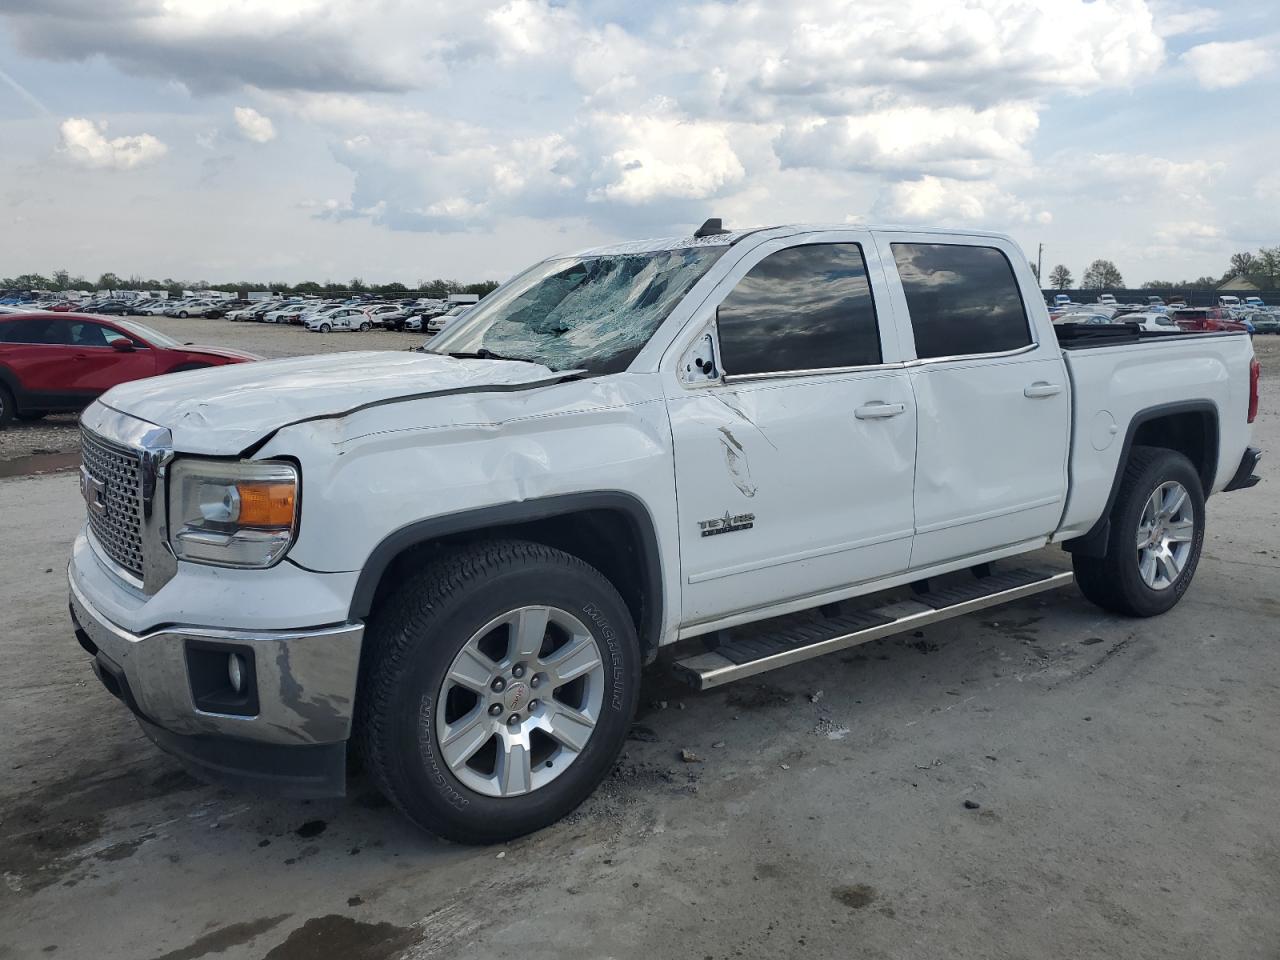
x,y
232,514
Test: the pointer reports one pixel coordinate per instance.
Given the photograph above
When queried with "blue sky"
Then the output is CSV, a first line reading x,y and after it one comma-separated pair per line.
x,y
410,139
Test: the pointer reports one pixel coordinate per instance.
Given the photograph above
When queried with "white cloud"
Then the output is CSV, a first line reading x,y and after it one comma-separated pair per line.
x,y
941,201
1176,21
1130,177
254,126
662,156
1187,233
85,144
1220,65
948,141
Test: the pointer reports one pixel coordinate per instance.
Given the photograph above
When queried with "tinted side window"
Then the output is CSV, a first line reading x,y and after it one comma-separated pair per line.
x,y
803,308
86,335
33,330
962,300
16,331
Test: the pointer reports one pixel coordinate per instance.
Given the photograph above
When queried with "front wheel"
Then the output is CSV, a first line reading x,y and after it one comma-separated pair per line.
x,y
7,408
325,328
183,314
1157,532
497,686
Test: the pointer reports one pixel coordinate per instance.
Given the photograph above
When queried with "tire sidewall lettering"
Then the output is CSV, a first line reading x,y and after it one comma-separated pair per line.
x,y
617,662
427,753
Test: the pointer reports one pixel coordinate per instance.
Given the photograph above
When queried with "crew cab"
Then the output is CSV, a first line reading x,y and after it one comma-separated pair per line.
x,y
56,362
752,447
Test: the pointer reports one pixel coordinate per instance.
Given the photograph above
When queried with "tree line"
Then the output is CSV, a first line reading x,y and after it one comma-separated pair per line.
x,y
61,280
1261,269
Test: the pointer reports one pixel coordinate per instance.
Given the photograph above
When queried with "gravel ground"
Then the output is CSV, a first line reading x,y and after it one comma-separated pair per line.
x,y
1035,782
57,434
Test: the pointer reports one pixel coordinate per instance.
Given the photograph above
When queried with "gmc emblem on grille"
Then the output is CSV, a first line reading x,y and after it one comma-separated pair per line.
x,y
91,489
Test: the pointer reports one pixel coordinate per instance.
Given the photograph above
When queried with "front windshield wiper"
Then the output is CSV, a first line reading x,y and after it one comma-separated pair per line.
x,y
484,353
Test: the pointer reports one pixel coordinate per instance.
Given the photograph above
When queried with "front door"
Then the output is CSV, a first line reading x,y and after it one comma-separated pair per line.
x,y
794,469
95,366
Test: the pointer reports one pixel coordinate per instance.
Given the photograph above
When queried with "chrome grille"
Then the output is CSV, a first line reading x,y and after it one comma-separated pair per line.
x,y
118,525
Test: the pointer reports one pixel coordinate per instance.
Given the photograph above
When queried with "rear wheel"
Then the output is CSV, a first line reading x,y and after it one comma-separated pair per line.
x,y
496,691
364,327
1157,532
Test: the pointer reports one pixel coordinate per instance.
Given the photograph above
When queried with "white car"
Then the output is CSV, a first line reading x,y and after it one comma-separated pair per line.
x,y
385,314
1152,321
341,318
277,312
439,324
1107,299
190,308
252,311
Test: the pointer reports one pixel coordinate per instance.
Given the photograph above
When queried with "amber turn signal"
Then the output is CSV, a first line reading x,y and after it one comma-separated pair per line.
x,y
266,504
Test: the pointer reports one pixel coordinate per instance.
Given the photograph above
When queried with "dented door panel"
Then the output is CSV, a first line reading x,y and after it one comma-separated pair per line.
x,y
785,492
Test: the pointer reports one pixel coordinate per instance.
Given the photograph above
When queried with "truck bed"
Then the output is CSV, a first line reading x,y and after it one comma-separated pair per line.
x,y
1119,375
1080,336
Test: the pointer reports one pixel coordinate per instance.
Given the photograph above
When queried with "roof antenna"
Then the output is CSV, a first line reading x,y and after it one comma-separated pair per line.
x,y
710,228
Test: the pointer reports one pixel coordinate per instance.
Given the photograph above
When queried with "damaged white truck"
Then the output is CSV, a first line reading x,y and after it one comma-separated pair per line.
x,y
456,561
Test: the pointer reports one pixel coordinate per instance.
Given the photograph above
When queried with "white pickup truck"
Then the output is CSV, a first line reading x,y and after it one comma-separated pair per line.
x,y
756,446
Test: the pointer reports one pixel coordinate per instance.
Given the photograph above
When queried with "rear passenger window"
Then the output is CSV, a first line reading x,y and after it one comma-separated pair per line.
x,y
33,330
962,300
803,308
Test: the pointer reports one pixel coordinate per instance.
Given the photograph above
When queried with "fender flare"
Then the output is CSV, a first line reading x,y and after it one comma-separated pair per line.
x,y
524,511
1094,543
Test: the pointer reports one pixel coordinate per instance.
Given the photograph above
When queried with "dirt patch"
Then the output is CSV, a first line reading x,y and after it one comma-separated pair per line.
x,y
41,831
224,938
37,463
338,936
125,849
855,896
757,696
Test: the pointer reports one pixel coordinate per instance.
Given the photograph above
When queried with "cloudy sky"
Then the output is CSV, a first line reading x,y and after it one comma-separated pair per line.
x,y
408,139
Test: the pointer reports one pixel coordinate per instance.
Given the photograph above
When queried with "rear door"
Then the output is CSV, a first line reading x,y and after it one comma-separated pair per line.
x,y
994,405
794,468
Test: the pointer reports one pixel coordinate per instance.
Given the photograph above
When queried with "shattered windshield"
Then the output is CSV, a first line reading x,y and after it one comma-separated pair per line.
x,y
581,313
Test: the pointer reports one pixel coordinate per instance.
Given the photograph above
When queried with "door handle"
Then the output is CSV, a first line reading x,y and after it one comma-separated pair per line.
x,y
1042,388
879,410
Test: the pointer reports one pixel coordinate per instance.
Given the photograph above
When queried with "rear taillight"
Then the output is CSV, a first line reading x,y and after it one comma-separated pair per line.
x,y
1255,374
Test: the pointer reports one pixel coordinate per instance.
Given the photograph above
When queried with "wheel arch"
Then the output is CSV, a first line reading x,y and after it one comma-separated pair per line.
x,y
1189,427
612,530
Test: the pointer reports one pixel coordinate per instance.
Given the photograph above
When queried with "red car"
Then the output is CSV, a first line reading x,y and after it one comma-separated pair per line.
x,y
52,362
1206,320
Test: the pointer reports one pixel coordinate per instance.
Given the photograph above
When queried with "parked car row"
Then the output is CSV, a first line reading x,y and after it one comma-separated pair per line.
x,y
1169,317
314,313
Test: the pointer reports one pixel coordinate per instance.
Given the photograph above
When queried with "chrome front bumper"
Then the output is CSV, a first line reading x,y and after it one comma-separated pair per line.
x,y
305,680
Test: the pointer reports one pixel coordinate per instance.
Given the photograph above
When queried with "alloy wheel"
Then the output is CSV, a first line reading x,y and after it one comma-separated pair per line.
x,y
1166,529
520,701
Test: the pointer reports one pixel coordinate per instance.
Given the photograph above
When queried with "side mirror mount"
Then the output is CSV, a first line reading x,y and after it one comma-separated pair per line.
x,y
699,364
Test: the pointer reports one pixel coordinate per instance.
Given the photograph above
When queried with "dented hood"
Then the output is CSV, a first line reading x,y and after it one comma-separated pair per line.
x,y
225,410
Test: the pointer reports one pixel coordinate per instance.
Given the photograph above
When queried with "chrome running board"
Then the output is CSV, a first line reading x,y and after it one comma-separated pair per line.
x,y
745,653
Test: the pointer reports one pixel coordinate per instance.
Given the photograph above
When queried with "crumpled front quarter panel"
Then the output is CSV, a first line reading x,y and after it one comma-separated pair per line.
x,y
368,474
